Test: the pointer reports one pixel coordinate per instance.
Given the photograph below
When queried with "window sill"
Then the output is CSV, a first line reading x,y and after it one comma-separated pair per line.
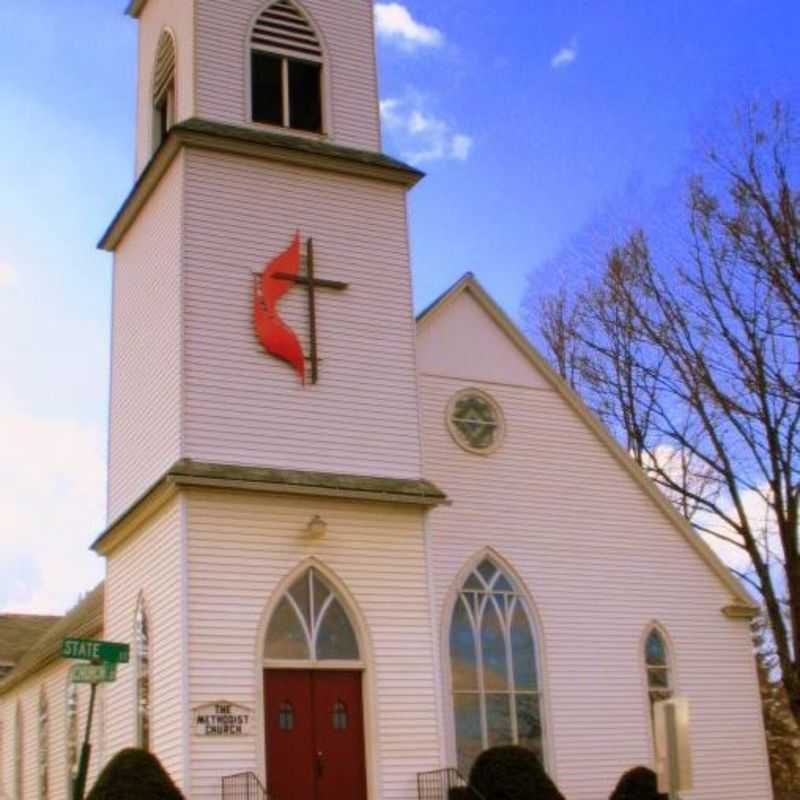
x,y
287,131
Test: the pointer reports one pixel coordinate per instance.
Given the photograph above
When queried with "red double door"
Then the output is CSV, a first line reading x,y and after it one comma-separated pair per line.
x,y
315,735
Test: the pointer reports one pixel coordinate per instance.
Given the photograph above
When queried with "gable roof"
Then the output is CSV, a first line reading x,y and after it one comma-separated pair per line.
x,y
18,632
84,620
744,605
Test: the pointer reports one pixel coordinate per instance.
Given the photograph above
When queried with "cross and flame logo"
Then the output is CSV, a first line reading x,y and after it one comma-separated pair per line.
x,y
278,277
273,333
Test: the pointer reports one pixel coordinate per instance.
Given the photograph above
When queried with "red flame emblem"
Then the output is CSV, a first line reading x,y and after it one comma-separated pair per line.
x,y
273,333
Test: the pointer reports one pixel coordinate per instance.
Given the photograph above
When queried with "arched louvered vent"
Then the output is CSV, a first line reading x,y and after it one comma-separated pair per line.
x,y
165,66
282,26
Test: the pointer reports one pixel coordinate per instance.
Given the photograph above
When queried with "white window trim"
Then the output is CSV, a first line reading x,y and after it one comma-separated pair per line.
x,y
170,90
539,644
327,132
672,675
142,605
369,689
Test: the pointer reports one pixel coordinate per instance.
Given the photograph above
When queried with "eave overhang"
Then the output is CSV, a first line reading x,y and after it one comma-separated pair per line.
x,y
135,8
188,474
276,147
83,621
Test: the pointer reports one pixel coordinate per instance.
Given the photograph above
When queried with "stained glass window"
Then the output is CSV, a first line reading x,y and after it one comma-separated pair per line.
x,y
72,730
493,667
44,742
659,674
142,641
475,421
311,624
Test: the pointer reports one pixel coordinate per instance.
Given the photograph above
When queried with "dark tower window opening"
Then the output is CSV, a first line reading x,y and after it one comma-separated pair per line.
x,y
286,70
163,89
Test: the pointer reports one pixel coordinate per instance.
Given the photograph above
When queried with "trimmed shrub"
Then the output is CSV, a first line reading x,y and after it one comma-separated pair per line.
x,y
134,775
639,783
512,773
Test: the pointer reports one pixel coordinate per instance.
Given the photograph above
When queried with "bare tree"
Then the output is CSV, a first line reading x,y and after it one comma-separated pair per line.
x,y
695,365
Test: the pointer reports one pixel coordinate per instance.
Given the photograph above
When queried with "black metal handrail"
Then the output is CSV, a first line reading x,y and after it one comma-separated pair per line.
x,y
243,786
436,784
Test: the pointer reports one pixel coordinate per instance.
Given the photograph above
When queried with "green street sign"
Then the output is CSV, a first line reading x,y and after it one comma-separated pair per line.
x,y
89,650
93,673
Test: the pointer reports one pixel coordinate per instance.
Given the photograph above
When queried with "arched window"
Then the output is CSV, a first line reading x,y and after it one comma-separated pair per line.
x,y
71,726
657,664
310,624
141,638
163,89
44,745
493,667
19,750
286,69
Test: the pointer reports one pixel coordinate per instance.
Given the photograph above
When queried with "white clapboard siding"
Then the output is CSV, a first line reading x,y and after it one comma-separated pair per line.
x,y
244,406
241,547
149,563
222,58
157,16
146,357
54,679
600,562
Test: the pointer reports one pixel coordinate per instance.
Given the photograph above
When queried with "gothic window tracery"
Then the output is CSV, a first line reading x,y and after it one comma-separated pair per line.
x,y
311,624
657,664
71,723
141,639
496,691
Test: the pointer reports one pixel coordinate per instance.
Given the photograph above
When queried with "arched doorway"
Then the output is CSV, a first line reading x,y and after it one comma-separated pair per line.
x,y
313,709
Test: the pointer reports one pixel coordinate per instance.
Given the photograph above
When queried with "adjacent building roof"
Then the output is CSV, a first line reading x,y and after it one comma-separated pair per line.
x,y
84,620
744,605
18,632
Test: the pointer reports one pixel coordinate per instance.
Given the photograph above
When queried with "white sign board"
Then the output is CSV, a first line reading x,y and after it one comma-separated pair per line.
x,y
673,753
222,718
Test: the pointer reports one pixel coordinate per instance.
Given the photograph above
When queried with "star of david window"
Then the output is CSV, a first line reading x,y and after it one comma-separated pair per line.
x,y
475,421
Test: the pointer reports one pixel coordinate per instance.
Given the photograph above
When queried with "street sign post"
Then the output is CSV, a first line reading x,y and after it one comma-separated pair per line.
x,y
102,658
91,650
93,673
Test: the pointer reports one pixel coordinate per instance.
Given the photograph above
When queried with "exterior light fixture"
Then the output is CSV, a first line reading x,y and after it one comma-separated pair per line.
x,y
317,528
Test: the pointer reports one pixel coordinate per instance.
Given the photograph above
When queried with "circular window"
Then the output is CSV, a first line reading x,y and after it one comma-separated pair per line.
x,y
475,421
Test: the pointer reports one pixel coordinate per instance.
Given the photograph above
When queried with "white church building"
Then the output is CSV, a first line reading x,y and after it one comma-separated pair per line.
x,y
348,546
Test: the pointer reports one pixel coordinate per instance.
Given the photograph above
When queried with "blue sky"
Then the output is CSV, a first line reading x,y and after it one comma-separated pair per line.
x,y
532,119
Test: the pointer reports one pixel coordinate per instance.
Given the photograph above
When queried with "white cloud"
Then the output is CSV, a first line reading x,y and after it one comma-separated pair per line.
x,y
52,499
8,276
394,23
421,136
566,55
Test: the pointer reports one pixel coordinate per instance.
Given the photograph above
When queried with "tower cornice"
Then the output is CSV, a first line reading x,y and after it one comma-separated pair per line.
x,y
266,145
135,8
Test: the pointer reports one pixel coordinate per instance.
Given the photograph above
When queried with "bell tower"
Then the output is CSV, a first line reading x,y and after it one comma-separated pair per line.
x,y
297,67
258,128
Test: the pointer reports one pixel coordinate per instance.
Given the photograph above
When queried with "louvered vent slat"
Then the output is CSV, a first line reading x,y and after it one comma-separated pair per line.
x,y
283,26
165,65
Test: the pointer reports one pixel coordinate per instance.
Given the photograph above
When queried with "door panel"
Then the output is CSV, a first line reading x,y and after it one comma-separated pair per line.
x,y
314,735
339,735
289,732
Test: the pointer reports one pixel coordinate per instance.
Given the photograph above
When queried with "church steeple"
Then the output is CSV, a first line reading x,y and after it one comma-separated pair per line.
x,y
258,131
305,68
